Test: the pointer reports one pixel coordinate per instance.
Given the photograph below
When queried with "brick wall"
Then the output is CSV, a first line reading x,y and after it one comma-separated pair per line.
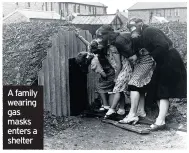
x,y
9,7
144,14
169,14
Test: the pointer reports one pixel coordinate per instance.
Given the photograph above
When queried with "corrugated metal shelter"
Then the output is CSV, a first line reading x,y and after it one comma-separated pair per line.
x,y
27,15
66,90
93,22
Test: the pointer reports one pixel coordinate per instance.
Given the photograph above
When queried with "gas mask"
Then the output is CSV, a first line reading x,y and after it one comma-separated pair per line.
x,y
135,27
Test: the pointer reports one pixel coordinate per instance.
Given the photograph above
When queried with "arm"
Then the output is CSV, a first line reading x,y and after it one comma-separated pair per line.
x,y
82,39
96,66
159,43
117,59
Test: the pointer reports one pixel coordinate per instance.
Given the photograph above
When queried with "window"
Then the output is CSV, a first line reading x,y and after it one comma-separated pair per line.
x,y
105,11
169,12
93,10
89,9
78,9
51,6
16,3
28,4
74,8
158,12
176,12
46,8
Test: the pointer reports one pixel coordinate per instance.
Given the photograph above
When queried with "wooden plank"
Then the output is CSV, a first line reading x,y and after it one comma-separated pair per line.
x,y
128,127
83,46
62,61
57,76
52,78
75,48
71,46
116,117
46,84
41,82
67,47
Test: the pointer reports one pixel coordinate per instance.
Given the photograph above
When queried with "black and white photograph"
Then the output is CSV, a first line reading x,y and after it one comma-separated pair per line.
x,y
85,75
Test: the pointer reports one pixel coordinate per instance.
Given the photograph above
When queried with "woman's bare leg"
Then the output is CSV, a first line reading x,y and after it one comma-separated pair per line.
x,y
141,111
163,110
135,97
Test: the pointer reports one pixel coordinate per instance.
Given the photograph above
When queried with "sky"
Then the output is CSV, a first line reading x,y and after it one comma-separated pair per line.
x,y
113,5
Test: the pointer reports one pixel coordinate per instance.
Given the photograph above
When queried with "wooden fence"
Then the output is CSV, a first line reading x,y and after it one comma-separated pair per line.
x,y
54,75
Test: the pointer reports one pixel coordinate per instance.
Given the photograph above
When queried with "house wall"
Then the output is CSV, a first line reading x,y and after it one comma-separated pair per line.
x,y
176,14
9,7
67,8
15,18
143,14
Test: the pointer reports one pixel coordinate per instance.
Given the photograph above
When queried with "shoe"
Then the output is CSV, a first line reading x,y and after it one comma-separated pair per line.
x,y
104,108
155,127
110,113
129,120
141,114
121,111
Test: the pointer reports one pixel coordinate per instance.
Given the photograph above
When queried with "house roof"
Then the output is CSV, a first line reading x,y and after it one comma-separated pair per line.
x,y
94,4
36,14
123,16
88,3
157,5
94,20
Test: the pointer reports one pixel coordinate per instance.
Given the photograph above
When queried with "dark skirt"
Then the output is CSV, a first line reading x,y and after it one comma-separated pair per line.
x,y
106,84
169,79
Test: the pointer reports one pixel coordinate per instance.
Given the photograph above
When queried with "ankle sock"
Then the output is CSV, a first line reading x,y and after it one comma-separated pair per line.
x,y
110,111
121,111
106,107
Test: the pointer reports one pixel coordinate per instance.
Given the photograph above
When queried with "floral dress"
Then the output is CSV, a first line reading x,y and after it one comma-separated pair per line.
x,y
124,76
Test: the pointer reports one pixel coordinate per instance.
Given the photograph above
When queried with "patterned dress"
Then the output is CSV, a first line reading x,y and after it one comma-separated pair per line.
x,y
124,76
143,71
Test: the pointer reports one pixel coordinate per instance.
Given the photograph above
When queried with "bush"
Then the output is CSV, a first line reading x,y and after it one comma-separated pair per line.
x,y
24,47
177,32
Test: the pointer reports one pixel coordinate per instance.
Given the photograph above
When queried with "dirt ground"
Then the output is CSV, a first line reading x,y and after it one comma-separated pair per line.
x,y
92,134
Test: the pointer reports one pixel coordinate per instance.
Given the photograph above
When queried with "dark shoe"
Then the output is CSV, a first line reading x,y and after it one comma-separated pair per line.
x,y
155,127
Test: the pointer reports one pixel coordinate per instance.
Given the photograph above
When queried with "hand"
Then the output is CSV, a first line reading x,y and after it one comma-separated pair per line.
x,y
77,33
133,58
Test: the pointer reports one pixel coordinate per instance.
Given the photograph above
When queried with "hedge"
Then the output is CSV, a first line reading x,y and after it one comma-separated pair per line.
x,y
26,44
24,47
177,32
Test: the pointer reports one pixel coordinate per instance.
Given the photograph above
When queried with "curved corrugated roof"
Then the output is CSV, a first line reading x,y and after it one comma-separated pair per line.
x,y
157,5
94,20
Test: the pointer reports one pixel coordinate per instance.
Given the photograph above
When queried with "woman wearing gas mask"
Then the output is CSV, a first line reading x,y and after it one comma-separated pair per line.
x,y
169,76
137,80
107,37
